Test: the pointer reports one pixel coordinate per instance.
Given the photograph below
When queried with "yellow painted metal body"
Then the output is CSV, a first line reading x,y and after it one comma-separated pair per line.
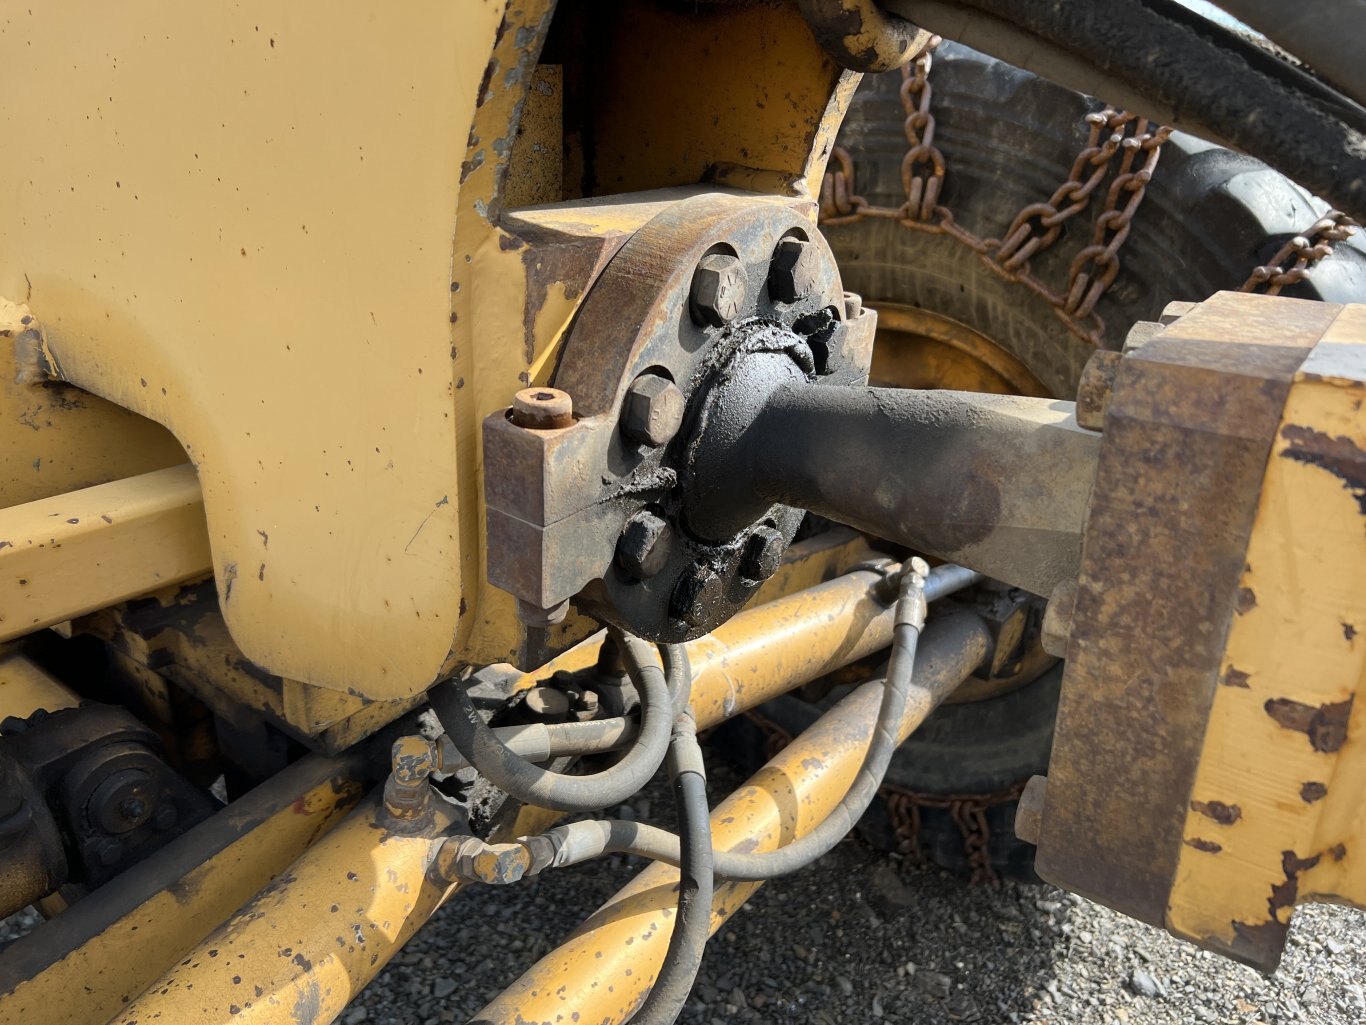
x,y
70,554
284,236
1276,815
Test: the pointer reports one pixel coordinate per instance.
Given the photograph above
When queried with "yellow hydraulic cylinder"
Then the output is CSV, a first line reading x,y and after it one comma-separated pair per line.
x,y
603,971
307,943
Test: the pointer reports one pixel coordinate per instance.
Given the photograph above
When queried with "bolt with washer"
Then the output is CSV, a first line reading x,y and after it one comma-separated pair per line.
x,y
653,410
718,290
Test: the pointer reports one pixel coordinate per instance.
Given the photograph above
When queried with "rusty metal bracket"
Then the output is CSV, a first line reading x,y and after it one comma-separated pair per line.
x,y
593,508
1155,722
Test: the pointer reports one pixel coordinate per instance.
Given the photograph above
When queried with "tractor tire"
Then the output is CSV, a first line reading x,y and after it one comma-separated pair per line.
x,y
1009,138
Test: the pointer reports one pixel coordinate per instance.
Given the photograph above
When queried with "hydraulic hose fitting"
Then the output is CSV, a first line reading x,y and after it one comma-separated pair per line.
x,y
910,606
406,795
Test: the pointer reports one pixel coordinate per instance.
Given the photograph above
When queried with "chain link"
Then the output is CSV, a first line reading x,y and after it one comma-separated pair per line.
x,y
1038,225
1296,257
969,814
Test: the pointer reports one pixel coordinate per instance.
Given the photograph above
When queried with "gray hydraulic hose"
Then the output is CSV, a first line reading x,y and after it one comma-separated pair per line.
x,y
546,788
539,741
581,840
692,923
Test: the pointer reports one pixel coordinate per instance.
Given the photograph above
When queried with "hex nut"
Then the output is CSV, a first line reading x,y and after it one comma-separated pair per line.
x,y
109,851
695,595
542,409
1029,810
793,273
653,410
1095,387
643,548
718,290
762,555
1057,619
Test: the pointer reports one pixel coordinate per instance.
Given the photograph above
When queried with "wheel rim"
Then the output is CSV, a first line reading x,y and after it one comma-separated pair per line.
x,y
917,348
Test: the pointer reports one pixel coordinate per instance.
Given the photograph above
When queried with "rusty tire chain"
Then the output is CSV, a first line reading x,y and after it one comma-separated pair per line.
x,y
969,814
1037,225
1296,257
969,811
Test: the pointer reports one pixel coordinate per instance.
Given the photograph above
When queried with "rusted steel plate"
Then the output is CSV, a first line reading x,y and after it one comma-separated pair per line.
x,y
1187,436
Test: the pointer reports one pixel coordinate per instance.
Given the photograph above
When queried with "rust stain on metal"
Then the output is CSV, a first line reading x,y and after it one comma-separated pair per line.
x,y
1208,846
1340,456
1313,791
1324,725
1234,677
1224,814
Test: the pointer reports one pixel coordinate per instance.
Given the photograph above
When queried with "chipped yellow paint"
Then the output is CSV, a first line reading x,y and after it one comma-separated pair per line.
x,y
55,438
1276,815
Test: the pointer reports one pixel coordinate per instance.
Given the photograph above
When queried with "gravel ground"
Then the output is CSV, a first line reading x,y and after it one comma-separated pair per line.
x,y
861,937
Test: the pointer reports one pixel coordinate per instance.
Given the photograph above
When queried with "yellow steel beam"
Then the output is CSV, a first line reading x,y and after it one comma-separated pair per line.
x,y
90,961
603,971
71,554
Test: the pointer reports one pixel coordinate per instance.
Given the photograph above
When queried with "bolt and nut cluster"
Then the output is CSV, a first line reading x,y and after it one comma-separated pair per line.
x,y
736,289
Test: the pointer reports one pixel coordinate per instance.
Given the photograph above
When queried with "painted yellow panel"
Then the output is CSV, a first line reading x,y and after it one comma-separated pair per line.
x,y
237,220
1276,816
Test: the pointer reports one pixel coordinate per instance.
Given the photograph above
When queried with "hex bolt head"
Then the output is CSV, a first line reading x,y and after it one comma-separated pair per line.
x,y
718,290
109,851
794,271
542,409
695,595
644,546
653,410
763,552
